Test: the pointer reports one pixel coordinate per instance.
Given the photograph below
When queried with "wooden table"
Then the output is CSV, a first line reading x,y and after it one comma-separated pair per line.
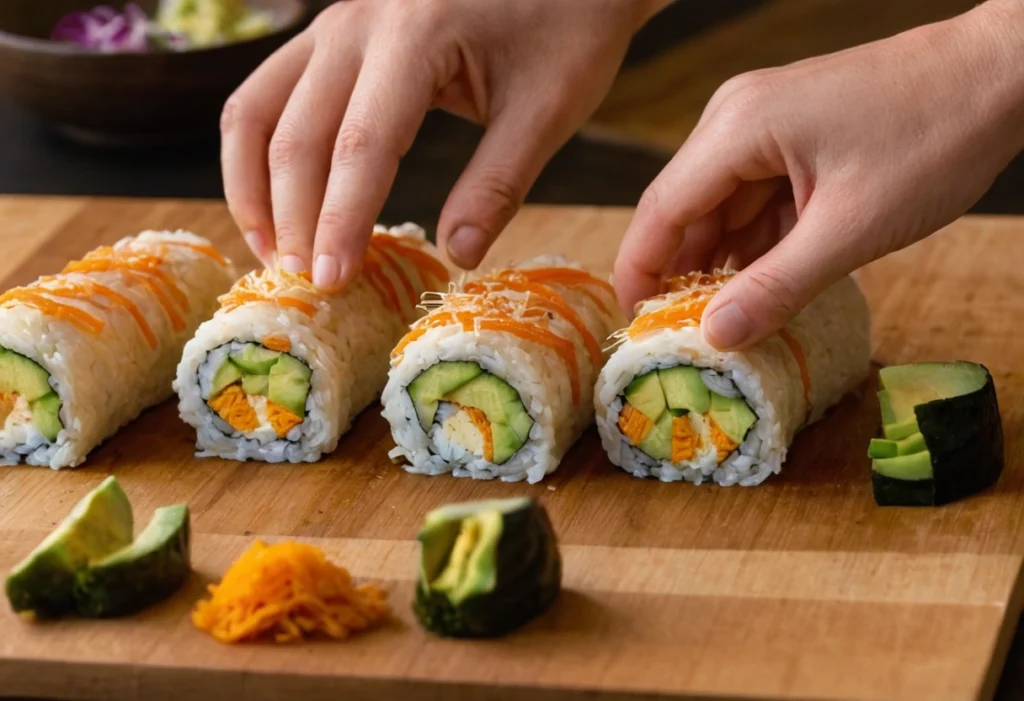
x,y
800,588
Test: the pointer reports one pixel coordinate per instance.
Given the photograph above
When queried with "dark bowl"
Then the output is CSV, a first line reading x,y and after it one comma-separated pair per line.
x,y
126,99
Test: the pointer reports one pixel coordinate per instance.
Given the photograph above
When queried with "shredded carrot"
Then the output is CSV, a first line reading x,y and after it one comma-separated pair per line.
x,y
7,402
801,360
232,405
685,441
634,424
571,277
723,444
200,248
668,317
278,343
287,592
479,419
425,264
176,319
73,315
281,418
374,272
87,288
399,271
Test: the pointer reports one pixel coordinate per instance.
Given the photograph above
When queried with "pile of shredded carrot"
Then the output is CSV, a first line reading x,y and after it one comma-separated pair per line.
x,y
287,592
523,303
389,259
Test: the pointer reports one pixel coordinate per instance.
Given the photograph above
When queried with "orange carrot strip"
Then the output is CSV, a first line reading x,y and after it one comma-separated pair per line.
x,y
206,250
479,419
634,425
73,315
396,266
685,441
723,444
73,290
374,272
571,277
417,332
278,343
176,320
425,263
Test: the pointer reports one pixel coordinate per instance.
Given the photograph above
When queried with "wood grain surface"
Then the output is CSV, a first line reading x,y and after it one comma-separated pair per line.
x,y
800,588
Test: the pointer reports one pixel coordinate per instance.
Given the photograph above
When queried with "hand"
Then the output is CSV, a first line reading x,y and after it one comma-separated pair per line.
x,y
312,140
801,174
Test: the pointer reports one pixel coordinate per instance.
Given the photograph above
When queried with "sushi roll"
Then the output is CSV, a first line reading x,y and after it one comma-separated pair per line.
x,y
498,380
84,352
281,370
671,406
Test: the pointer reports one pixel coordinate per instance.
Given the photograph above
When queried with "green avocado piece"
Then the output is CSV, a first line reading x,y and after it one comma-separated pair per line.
x,y
434,383
141,574
899,431
684,390
256,384
486,568
227,374
885,448
658,441
510,423
914,443
43,583
46,416
885,404
288,384
22,376
255,359
907,386
909,468
732,416
645,394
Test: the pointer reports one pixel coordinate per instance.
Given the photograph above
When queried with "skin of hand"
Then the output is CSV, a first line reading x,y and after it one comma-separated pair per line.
x,y
311,141
798,175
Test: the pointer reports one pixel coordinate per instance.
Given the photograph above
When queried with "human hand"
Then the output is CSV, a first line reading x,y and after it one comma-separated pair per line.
x,y
312,140
799,175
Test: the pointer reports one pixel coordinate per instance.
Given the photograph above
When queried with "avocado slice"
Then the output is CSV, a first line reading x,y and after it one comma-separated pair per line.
x,y
510,423
255,359
732,416
434,383
100,523
288,384
22,376
141,574
684,389
954,408
645,394
46,416
911,468
256,384
227,374
486,568
884,448
658,442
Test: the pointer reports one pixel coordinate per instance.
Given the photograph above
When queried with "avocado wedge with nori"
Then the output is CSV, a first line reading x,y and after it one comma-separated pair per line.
x,y
147,571
486,568
955,408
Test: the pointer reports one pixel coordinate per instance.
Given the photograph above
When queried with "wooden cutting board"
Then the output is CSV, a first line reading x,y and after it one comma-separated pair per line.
x,y
799,588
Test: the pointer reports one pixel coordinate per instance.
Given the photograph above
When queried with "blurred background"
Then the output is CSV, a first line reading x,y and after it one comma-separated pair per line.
x,y
674,66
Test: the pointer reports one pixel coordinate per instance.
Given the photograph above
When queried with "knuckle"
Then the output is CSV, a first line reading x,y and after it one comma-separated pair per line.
x,y
289,238
503,188
286,146
329,18
746,98
332,220
653,205
779,289
233,114
353,141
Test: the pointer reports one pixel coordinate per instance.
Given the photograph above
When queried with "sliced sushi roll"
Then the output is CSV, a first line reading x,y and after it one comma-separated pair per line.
x,y
84,352
497,381
669,405
281,370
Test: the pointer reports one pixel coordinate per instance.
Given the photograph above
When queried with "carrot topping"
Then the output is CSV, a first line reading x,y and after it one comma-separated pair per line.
x,y
634,425
232,405
417,332
281,418
206,250
176,320
374,272
479,419
278,343
7,402
673,316
571,277
723,444
82,291
73,315
425,263
565,349
685,441
287,592
396,267
801,361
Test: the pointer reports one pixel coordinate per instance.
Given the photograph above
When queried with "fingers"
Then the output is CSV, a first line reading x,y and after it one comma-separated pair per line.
x,y
300,149
247,123
763,297
391,97
492,188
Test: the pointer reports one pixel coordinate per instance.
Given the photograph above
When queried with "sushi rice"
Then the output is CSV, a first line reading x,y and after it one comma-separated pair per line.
x,y
339,343
106,334
830,338
534,374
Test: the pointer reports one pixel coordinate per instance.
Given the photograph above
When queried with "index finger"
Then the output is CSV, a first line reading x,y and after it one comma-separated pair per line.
x,y
391,97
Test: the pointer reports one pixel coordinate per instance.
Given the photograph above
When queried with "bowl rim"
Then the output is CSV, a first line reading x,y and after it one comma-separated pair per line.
x,y
298,12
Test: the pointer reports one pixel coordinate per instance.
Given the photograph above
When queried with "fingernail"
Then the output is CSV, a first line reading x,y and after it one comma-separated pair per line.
x,y
326,271
292,264
727,327
465,244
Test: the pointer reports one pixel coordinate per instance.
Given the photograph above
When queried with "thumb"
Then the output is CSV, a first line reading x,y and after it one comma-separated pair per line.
x,y
764,297
511,154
